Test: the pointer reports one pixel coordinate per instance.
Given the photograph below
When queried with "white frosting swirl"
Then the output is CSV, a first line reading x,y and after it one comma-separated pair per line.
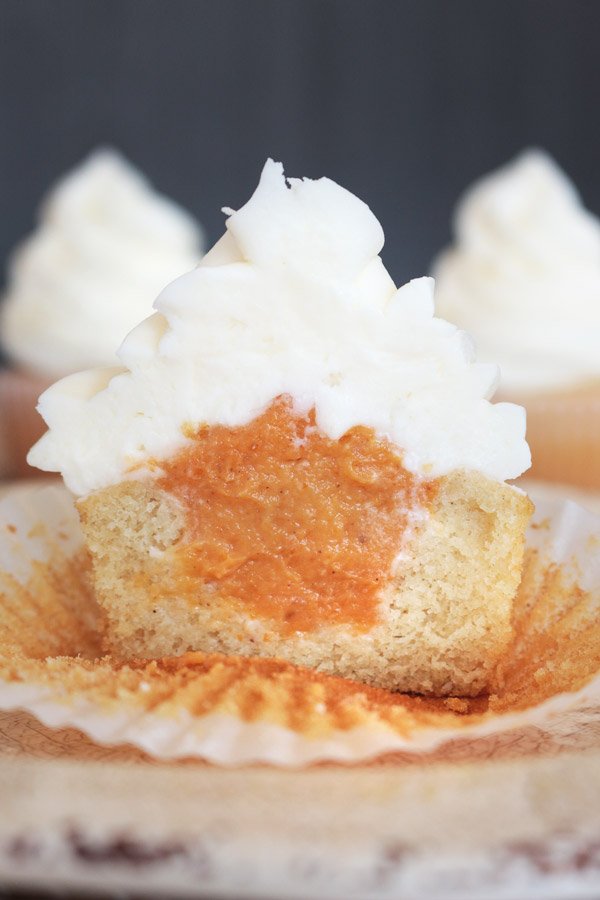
x,y
105,246
292,300
524,276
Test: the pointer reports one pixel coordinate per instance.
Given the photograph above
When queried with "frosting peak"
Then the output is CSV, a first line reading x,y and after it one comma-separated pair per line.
x,y
295,301
317,227
524,276
105,245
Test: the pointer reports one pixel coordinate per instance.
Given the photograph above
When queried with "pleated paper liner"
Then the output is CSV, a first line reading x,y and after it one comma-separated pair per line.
x,y
234,711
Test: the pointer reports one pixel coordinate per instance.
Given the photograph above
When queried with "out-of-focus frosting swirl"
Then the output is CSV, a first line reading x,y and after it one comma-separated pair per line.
x,y
523,276
105,246
293,300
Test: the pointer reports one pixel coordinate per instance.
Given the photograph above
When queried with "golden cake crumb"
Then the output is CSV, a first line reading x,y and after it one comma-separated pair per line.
x,y
272,540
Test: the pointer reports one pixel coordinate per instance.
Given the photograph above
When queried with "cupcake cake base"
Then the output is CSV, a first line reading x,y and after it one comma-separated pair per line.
x,y
237,710
563,431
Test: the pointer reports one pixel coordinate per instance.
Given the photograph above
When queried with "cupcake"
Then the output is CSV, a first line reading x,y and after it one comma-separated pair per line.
x,y
523,277
296,460
105,245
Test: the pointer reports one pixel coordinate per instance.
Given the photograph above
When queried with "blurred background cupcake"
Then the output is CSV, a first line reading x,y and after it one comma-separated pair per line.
x,y
523,277
105,245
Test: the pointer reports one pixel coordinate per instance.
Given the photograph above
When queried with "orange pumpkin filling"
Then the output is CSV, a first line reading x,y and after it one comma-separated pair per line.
x,y
296,527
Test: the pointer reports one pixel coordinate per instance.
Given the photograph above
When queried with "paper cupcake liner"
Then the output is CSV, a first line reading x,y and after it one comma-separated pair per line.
x,y
234,711
564,435
20,423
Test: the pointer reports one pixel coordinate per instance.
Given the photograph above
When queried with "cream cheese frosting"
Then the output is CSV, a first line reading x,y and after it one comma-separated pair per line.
x,y
105,246
294,299
523,276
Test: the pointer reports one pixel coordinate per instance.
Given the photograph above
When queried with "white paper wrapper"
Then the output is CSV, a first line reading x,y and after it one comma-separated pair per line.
x,y
233,712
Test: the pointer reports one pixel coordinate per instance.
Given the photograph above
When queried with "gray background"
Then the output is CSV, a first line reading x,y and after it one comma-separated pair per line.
x,y
402,102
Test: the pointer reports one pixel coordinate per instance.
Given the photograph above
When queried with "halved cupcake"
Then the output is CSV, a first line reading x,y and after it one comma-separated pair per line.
x,y
298,461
